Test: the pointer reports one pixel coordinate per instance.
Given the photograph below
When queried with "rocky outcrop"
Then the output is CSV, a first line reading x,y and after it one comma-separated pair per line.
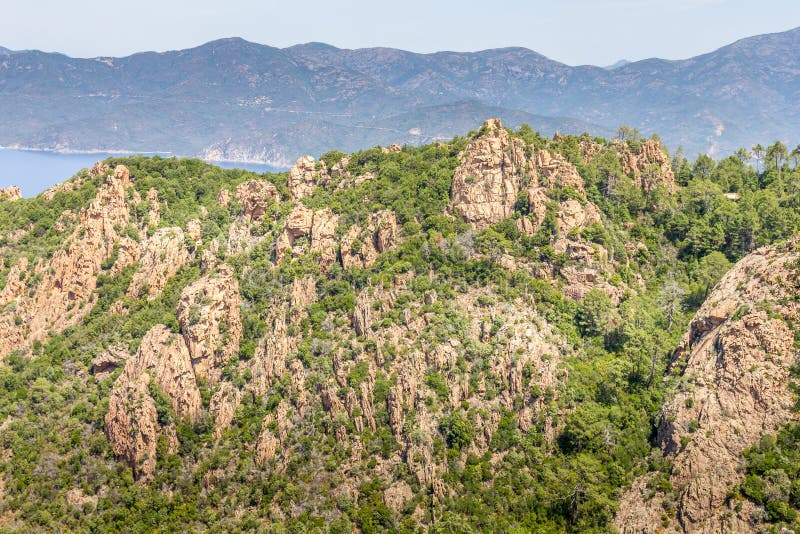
x,y
223,198
735,363
487,182
554,171
391,149
107,362
362,314
10,194
132,422
154,213
305,175
360,247
62,298
210,321
648,164
223,407
269,360
319,227
266,445
162,255
304,292
274,432
15,282
194,231
164,356
132,425
256,197
323,237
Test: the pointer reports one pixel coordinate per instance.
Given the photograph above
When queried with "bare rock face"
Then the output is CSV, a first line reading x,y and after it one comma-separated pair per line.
x,y
11,335
488,180
154,214
573,214
360,247
555,171
589,149
10,194
393,148
304,292
256,197
737,364
362,314
162,256
649,164
300,221
132,425
269,360
266,445
105,364
298,225
208,313
323,237
224,198
305,176
194,231
223,407
61,299
320,229
15,282
275,430
164,356
99,169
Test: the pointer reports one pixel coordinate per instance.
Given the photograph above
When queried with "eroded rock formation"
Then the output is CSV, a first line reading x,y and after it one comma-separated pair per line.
x,y
492,170
162,255
361,246
209,316
649,165
735,363
319,229
62,297
305,175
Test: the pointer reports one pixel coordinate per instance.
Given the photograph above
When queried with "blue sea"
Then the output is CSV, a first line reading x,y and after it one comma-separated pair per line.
x,y
35,171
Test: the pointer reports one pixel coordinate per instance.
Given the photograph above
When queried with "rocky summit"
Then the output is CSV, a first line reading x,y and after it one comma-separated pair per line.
x,y
503,332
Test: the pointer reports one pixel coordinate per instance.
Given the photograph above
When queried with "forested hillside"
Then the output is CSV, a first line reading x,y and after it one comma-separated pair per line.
x,y
502,332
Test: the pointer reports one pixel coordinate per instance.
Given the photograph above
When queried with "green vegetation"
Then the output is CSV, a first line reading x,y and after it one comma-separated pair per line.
x,y
564,472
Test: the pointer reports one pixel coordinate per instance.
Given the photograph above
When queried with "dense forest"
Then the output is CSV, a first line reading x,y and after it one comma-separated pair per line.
x,y
553,455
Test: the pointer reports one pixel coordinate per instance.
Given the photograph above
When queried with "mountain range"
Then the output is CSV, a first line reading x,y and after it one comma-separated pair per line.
x,y
235,100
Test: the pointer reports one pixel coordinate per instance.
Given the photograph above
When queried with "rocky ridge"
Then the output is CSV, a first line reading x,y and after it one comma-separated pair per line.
x,y
63,296
734,364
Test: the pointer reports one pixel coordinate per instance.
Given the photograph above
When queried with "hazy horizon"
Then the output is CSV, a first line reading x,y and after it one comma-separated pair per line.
x,y
575,32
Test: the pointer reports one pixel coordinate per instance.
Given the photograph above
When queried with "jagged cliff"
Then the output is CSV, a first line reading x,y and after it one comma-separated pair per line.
x,y
383,340
734,373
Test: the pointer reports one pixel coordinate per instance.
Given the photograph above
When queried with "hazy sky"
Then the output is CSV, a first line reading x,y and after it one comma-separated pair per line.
x,y
572,31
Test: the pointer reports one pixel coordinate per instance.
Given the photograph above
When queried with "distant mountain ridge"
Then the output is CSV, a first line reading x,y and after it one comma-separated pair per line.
x,y
237,100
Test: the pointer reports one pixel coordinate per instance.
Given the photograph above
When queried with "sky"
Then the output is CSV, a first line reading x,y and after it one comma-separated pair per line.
x,y
597,32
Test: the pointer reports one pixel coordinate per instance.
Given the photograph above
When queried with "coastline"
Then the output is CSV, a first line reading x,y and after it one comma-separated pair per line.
x,y
118,152
73,152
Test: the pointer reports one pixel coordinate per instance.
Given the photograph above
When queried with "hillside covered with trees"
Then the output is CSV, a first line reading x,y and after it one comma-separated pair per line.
x,y
503,333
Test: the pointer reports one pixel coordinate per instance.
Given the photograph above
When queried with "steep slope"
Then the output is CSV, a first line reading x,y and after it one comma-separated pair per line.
x,y
470,335
734,372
